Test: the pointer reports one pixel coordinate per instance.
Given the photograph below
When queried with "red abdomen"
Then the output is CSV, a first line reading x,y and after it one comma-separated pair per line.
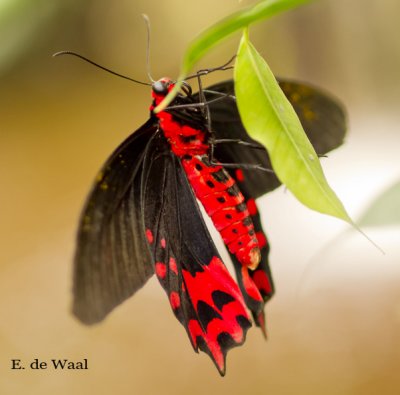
x,y
224,203
215,189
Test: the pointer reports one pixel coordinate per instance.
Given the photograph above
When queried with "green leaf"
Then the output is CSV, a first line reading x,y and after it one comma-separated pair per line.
x,y
222,29
385,210
270,119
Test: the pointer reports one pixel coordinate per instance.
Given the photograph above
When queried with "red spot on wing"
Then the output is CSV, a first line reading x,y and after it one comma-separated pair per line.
x,y
172,265
262,281
262,240
161,270
175,300
252,207
149,236
250,286
239,175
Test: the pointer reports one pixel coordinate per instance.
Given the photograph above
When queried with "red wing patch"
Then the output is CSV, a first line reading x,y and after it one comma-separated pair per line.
x,y
239,175
262,282
149,236
208,303
221,318
252,207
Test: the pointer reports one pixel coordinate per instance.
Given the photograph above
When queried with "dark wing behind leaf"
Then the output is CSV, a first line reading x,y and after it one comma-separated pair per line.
x,y
323,120
203,295
322,117
112,259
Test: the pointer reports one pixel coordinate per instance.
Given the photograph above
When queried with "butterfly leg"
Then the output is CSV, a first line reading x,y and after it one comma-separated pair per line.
x,y
225,66
213,142
245,166
202,104
237,141
205,105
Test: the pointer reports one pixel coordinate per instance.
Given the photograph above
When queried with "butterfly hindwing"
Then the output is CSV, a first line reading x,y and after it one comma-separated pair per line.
x,y
203,295
111,259
256,285
322,118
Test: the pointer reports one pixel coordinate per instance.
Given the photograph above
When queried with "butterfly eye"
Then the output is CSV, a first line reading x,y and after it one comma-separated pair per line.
x,y
160,87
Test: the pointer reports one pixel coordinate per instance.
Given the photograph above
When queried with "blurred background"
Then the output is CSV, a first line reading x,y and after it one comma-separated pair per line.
x,y
334,324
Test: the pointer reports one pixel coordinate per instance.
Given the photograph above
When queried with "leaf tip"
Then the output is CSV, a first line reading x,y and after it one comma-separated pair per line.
x,y
357,228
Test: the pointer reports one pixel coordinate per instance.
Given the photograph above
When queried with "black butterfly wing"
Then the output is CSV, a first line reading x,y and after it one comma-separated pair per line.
x,y
112,259
323,120
322,117
203,295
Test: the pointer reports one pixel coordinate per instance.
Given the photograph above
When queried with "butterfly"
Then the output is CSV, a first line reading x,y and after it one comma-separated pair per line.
x,y
142,215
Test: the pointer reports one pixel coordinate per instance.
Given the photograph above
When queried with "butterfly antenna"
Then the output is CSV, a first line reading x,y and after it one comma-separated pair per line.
x,y
147,22
99,66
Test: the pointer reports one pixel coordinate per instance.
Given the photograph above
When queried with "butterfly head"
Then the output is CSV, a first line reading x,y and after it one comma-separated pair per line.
x,y
162,87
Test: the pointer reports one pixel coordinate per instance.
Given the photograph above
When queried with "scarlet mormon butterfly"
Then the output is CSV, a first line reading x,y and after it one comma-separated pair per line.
x,y
142,218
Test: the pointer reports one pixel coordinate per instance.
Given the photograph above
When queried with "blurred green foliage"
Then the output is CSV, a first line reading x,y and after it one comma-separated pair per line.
x,y
385,209
24,23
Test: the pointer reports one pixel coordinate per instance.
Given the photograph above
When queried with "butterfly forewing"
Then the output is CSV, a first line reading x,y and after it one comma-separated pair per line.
x,y
322,118
112,260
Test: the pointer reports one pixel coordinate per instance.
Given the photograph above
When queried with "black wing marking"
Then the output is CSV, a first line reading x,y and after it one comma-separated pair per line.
x,y
112,259
203,295
323,120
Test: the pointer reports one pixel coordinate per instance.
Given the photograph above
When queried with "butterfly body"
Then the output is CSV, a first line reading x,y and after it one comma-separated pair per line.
x,y
142,218
212,185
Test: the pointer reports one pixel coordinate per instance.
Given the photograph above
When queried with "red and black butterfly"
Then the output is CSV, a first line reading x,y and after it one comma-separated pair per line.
x,y
142,216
